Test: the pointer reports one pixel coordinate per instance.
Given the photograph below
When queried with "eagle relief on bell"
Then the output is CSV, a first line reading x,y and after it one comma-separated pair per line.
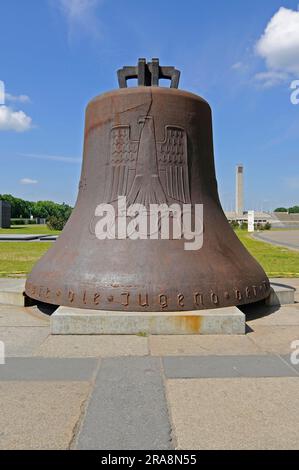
x,y
148,232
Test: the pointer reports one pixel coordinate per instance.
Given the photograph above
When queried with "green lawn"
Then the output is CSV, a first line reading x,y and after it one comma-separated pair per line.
x,y
17,258
28,230
276,261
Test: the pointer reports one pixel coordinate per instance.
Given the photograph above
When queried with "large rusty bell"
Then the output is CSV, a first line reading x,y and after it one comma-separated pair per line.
x,y
152,145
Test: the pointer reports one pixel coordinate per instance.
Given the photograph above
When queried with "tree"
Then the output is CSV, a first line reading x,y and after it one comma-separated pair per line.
x,y
41,209
294,210
19,207
281,209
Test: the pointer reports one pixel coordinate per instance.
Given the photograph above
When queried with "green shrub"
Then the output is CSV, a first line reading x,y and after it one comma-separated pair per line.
x,y
18,222
23,221
56,223
234,224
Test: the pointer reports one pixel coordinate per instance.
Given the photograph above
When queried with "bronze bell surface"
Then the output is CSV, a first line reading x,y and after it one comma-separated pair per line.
x,y
152,146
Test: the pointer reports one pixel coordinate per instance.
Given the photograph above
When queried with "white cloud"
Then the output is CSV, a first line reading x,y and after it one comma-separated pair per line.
x,y
271,78
14,120
28,181
56,158
237,66
80,15
279,45
17,98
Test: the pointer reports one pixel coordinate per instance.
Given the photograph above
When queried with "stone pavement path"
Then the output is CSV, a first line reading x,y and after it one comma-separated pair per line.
x,y
287,238
157,392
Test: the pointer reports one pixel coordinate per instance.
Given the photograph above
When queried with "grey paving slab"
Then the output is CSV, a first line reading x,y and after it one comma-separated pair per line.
x,y
128,408
292,359
35,368
226,366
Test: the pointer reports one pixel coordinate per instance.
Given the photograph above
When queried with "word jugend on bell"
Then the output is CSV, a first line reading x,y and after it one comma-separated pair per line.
x,y
148,232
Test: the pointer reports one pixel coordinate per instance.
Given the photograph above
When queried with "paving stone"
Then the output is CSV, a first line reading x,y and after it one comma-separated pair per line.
x,y
202,345
128,408
256,413
35,415
22,341
226,366
11,315
93,346
283,315
36,368
275,339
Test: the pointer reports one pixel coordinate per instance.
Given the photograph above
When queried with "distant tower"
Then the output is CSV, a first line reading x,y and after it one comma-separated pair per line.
x,y
239,190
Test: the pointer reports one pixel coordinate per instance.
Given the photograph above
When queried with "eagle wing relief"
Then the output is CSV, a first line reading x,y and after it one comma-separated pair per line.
x,y
172,158
147,171
122,163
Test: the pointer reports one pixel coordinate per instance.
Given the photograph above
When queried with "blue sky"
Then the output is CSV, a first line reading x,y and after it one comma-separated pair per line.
x,y
240,56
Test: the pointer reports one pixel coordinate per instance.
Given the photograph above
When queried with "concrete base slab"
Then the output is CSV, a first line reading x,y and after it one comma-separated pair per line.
x,y
12,292
76,321
280,295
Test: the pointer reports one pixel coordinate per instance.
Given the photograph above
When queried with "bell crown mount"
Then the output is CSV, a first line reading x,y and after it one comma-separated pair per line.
x,y
148,74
